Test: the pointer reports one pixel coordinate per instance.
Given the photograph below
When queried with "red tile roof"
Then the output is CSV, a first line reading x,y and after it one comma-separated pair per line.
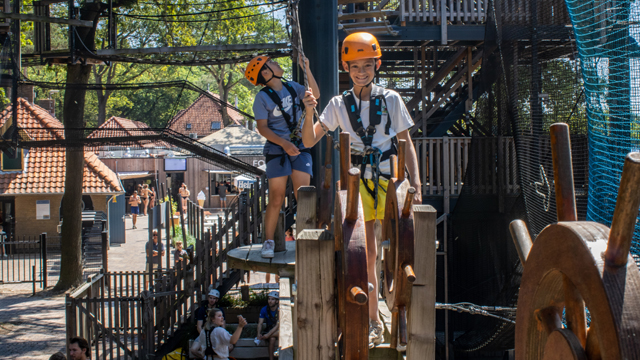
x,y
200,115
45,167
121,127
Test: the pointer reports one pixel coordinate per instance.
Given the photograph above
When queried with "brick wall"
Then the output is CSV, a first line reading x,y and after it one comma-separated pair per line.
x,y
26,223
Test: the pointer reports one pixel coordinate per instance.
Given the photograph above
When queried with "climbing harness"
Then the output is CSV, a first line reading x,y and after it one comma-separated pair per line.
x,y
208,352
371,155
292,124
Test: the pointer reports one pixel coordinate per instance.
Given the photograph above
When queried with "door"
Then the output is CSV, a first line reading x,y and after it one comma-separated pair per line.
x,y
117,208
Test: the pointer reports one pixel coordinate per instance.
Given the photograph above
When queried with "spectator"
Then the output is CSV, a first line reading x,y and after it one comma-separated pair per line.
x,y
184,195
214,341
58,356
210,303
79,349
152,197
154,257
269,314
222,192
288,235
144,195
180,256
134,202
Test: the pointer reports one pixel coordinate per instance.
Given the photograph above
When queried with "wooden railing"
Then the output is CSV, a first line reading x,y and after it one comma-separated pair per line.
x,y
443,164
454,11
124,316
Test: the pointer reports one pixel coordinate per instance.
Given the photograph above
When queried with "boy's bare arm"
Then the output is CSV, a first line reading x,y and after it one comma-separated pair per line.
x,y
311,133
412,165
312,81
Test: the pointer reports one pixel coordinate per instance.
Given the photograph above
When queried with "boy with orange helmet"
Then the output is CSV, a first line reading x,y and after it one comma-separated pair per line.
x,y
375,118
278,111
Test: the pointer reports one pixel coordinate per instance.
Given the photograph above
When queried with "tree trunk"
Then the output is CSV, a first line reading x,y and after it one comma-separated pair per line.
x,y
103,97
73,114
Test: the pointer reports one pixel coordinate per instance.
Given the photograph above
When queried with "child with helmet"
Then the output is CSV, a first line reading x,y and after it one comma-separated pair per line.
x,y
278,114
375,118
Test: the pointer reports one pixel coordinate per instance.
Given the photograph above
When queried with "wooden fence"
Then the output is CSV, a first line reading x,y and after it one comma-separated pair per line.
x,y
123,318
443,164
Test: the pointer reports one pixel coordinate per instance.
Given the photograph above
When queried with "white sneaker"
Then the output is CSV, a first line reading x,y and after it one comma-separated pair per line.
x,y
267,249
375,334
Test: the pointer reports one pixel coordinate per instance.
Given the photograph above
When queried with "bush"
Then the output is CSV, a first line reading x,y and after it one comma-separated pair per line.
x,y
178,236
255,299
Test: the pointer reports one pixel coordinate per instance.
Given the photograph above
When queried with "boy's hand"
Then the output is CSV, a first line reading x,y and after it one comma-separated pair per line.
x,y
309,100
303,60
291,149
242,322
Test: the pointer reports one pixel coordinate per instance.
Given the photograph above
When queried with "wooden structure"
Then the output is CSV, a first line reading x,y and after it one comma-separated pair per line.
x,y
589,269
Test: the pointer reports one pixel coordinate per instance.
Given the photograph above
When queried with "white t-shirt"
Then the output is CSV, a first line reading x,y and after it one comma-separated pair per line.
x,y
220,341
335,114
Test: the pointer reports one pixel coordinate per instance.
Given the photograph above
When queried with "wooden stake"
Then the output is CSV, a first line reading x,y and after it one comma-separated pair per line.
x,y
408,202
402,325
411,276
353,191
393,165
402,150
345,158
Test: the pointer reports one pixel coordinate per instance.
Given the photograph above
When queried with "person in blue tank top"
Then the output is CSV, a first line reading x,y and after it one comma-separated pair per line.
x,y
278,112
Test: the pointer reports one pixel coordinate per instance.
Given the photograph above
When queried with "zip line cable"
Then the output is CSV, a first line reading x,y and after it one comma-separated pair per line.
x,y
198,13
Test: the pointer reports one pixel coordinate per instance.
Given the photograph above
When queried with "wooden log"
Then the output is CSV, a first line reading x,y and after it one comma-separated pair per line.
x,y
421,318
353,194
316,323
411,276
402,150
563,172
345,158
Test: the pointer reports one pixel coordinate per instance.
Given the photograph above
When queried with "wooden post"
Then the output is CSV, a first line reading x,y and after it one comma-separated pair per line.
x,y
353,193
402,146
285,340
168,221
105,254
278,235
345,158
147,336
421,320
43,251
315,300
71,320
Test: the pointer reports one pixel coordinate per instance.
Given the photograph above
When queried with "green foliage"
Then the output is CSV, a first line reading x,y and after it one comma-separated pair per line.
x,y
235,301
178,236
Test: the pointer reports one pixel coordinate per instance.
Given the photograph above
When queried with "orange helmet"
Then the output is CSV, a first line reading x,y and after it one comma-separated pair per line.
x,y
360,45
254,67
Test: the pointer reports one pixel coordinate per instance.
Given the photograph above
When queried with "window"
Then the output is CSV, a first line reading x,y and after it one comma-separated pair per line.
x,y
9,164
216,125
188,126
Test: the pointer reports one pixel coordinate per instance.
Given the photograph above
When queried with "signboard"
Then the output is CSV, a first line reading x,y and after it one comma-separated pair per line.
x,y
245,184
43,210
175,164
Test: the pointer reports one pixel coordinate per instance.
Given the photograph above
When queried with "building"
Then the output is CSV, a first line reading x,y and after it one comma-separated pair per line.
x,y
202,118
32,185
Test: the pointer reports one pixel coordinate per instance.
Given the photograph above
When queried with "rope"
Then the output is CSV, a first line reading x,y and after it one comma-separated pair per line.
x,y
296,44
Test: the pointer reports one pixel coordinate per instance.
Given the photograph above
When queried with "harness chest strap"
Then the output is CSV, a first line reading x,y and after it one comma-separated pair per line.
x,y
273,95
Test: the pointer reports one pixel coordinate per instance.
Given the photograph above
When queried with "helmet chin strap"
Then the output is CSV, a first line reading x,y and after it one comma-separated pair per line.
x,y
273,75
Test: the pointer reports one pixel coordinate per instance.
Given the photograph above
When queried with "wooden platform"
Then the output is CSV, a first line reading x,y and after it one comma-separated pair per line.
x,y
249,258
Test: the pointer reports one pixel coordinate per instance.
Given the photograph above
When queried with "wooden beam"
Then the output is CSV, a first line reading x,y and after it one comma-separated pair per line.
x,y
315,274
285,340
421,324
171,49
46,19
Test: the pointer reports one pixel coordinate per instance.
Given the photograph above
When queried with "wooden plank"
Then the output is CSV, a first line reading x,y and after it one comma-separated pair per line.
x,y
315,309
285,339
421,326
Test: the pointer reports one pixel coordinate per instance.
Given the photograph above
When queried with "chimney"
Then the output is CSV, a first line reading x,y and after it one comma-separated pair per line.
x,y
49,105
26,92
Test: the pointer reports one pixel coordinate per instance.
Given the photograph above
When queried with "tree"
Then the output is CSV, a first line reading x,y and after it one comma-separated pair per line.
x,y
73,113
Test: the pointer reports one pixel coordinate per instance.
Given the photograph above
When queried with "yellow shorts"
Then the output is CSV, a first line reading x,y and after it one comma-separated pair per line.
x,y
371,213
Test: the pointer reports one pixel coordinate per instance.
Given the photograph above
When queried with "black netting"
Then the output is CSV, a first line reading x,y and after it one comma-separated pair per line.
x,y
530,79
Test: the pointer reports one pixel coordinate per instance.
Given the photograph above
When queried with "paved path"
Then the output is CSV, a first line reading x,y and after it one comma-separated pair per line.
x,y
34,327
